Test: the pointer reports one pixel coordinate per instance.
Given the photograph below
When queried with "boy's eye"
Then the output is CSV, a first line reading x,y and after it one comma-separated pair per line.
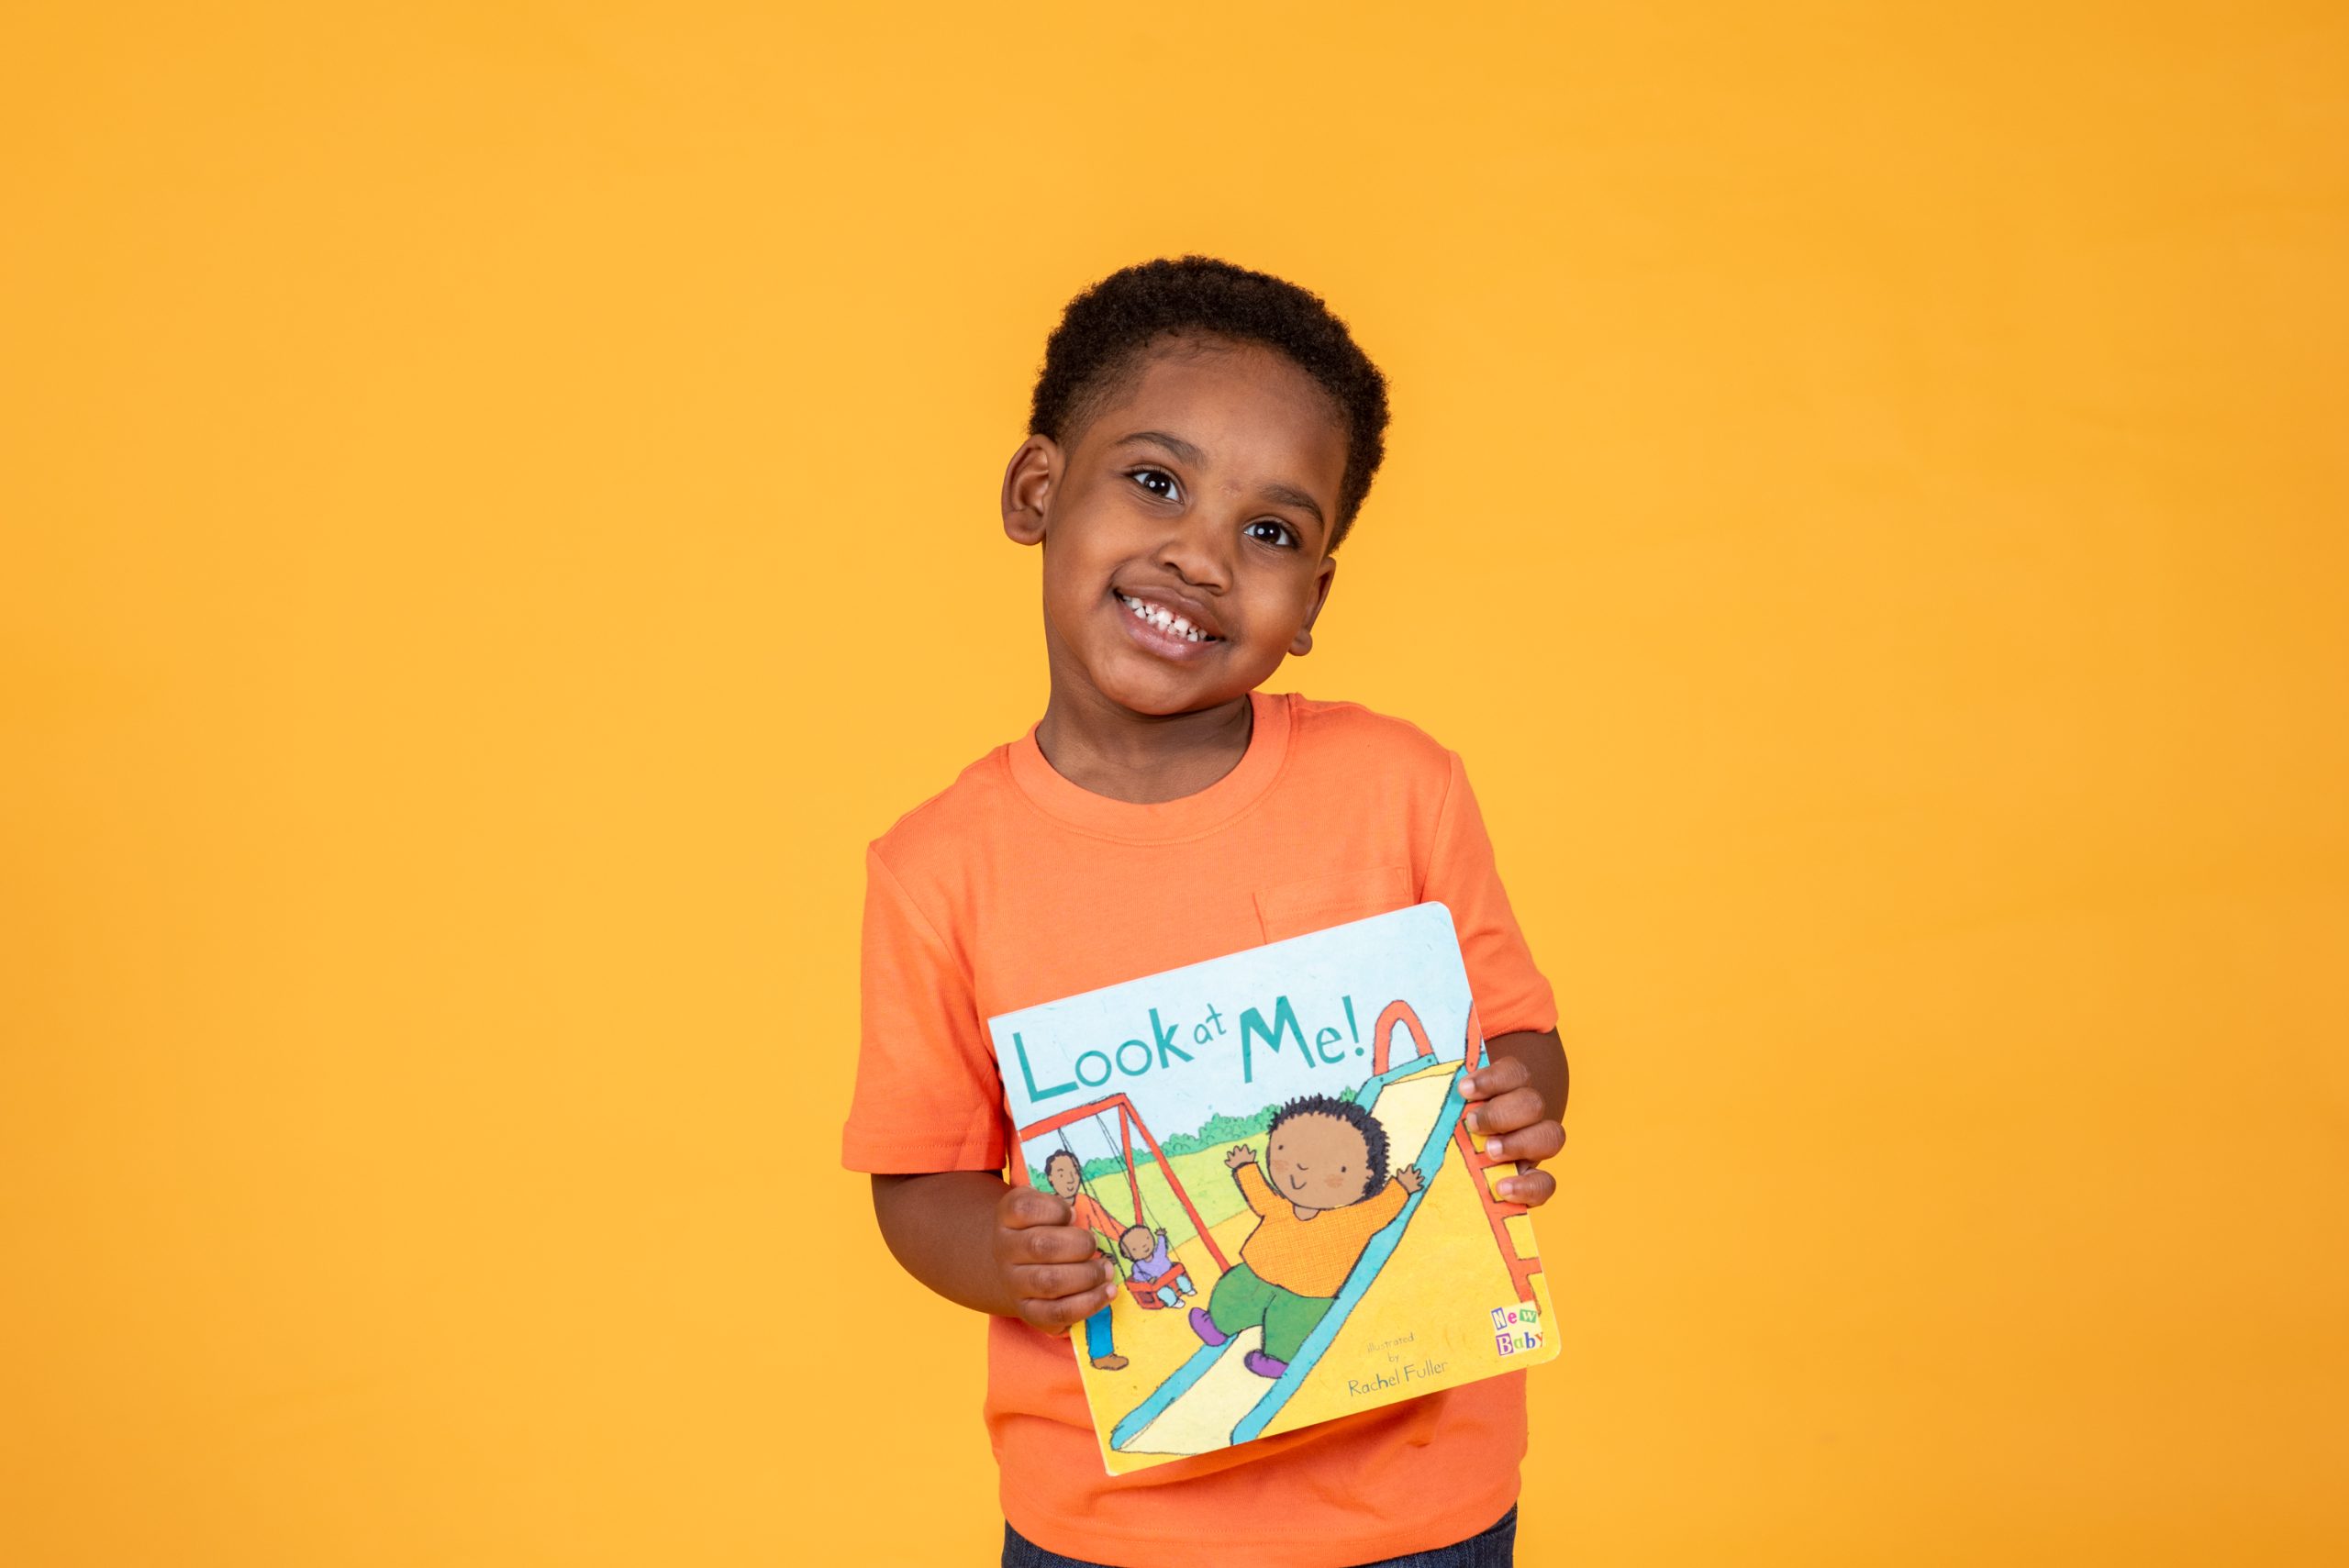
x,y
1283,534
1143,477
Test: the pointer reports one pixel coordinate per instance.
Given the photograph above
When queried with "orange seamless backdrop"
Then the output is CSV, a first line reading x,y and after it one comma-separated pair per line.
x,y
497,505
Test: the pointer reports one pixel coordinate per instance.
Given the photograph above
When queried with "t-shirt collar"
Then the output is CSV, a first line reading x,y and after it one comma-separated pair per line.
x,y
1161,821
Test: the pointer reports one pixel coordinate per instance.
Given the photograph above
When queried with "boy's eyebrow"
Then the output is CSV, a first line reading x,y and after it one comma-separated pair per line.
x,y
1288,494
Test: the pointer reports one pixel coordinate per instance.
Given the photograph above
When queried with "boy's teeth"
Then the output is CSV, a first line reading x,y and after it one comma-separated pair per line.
x,y
1164,620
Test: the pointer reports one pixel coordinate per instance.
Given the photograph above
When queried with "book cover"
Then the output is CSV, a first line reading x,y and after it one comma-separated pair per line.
x,y
1268,1146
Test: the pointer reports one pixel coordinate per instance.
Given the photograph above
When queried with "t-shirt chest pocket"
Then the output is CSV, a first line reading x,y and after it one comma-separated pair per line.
x,y
1291,908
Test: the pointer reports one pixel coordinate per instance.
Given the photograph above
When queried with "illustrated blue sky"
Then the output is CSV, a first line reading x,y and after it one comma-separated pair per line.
x,y
1066,1053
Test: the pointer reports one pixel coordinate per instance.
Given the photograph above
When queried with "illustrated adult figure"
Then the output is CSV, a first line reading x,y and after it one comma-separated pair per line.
x,y
1067,1178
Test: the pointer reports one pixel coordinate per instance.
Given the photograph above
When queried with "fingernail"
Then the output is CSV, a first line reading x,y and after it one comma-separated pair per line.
x,y
1492,1148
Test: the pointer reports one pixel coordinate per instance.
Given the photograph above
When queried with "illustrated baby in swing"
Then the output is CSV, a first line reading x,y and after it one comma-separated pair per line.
x,y
1327,1195
1146,1250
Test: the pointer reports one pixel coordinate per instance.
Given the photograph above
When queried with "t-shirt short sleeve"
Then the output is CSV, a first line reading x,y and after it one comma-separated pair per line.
x,y
926,1095
1512,993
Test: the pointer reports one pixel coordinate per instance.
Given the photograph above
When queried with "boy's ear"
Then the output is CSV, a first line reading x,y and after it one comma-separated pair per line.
x,y
1303,641
1028,481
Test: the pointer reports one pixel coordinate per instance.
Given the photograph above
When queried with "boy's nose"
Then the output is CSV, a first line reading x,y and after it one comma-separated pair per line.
x,y
1199,550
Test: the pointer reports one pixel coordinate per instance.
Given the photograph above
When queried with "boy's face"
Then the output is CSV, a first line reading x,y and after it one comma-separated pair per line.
x,y
1318,1161
1207,489
1139,1244
1062,1173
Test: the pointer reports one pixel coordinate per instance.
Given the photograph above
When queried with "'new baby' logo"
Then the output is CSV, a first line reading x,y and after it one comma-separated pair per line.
x,y
1517,1328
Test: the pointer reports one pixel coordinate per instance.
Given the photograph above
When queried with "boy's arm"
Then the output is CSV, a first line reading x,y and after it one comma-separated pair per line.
x,y
1521,1088
1008,1251
928,1101
1518,1103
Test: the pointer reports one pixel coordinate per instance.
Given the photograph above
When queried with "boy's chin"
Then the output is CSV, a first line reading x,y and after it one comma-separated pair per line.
x,y
1162,697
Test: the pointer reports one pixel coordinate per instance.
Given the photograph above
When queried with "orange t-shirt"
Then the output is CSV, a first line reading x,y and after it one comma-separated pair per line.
x,y
1014,886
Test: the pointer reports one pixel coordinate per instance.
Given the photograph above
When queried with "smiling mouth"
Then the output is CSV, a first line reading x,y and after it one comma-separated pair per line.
x,y
1296,1185
1164,620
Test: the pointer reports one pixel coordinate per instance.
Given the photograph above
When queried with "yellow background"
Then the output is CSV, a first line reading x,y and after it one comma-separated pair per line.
x,y
500,505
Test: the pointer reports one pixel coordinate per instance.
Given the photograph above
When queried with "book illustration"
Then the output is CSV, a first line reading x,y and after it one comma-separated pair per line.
x,y
1327,1157
1154,1278
1336,1246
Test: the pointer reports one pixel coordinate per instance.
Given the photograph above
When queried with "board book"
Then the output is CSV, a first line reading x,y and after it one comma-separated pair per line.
x,y
1269,1148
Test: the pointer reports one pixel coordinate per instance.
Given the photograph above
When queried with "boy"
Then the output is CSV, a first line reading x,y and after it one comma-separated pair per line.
x,y
1327,1155
1200,441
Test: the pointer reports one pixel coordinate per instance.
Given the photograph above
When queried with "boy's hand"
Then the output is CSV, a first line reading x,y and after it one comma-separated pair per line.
x,y
1240,1155
1409,1179
1505,1115
1049,1265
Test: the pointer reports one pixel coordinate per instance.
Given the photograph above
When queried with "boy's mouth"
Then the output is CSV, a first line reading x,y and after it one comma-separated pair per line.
x,y
1167,622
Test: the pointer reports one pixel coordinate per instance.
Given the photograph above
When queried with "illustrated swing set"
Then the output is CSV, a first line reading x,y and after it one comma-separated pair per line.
x,y
1120,1144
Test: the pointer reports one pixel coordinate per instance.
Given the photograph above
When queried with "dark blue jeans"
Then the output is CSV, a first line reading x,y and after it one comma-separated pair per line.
x,y
1494,1548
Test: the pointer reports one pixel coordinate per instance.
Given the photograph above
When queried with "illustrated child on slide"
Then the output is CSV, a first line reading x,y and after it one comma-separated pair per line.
x,y
1146,1250
1327,1195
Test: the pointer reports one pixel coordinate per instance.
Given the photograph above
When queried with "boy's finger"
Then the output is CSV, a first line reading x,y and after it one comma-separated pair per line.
x,y
1532,1188
1529,1145
1494,1078
1062,1312
1052,1245
1056,1281
1027,1207
1505,1113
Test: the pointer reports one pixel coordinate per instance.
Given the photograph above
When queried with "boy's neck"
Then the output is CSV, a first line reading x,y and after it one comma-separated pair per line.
x,y
1142,759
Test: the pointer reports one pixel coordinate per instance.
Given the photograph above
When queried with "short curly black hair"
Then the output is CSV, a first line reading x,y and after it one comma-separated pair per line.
x,y
1374,1137
1107,329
